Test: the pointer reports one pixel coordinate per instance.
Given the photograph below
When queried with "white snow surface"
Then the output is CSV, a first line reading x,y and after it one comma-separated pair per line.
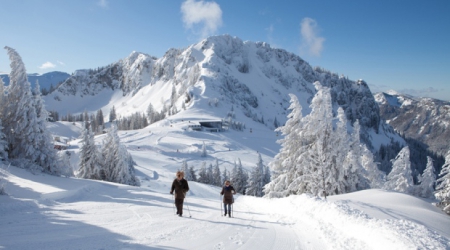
x,y
49,212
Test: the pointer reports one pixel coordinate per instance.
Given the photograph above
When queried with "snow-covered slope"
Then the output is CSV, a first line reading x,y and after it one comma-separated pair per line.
x,y
424,119
48,212
214,77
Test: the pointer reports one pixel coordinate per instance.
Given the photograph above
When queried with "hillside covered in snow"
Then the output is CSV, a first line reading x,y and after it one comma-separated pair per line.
x,y
227,77
49,212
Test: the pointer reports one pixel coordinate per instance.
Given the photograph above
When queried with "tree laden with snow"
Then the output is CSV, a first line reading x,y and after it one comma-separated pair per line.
x,y
400,178
204,153
286,170
89,166
320,174
117,163
376,177
216,178
443,185
258,179
24,119
3,144
203,174
425,189
239,177
315,157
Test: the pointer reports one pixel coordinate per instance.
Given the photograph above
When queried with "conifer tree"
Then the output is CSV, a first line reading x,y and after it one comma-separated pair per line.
x,y
27,135
257,179
427,181
354,171
319,176
376,177
204,153
216,178
443,185
3,144
209,174
203,175
239,178
400,178
117,162
286,169
45,151
225,176
187,171
112,114
192,174
89,166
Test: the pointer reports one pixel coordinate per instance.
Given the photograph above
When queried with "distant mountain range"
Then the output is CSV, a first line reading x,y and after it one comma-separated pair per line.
x,y
45,80
426,120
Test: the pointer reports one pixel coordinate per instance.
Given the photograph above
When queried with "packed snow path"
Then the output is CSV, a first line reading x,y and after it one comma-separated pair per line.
x,y
46,212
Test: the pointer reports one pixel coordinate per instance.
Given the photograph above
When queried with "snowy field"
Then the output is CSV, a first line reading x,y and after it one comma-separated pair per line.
x,y
48,212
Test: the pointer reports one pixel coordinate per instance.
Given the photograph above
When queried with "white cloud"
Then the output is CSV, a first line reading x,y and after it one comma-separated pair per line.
x,y
103,3
312,43
61,63
207,15
47,65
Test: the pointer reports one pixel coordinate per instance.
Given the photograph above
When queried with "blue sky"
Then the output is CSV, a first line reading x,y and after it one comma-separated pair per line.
x,y
400,45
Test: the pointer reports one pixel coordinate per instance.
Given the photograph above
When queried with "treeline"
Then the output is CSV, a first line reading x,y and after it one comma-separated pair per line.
x,y
244,183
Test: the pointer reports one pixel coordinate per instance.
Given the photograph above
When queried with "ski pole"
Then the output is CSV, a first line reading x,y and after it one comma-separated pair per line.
x,y
232,208
188,210
220,204
173,204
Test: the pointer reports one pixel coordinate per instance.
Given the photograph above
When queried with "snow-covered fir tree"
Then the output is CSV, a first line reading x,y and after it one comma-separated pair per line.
x,y
425,189
225,176
354,170
239,177
151,114
49,157
376,177
320,176
315,157
216,178
27,136
209,174
400,178
341,142
89,166
443,186
286,171
64,158
117,163
3,144
185,169
112,114
192,173
257,179
202,174
204,153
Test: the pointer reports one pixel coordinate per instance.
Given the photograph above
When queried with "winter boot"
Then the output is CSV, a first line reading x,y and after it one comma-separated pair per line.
x,y
225,213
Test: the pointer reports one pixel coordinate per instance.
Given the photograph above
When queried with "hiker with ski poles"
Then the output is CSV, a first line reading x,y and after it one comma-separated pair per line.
x,y
180,186
227,192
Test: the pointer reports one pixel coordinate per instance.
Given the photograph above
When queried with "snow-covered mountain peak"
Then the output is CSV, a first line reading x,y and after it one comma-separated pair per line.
x,y
215,76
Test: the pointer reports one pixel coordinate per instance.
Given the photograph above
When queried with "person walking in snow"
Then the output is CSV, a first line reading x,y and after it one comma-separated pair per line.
x,y
181,187
227,192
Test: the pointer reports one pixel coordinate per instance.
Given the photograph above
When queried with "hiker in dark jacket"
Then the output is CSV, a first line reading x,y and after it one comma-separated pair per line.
x,y
227,192
180,186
